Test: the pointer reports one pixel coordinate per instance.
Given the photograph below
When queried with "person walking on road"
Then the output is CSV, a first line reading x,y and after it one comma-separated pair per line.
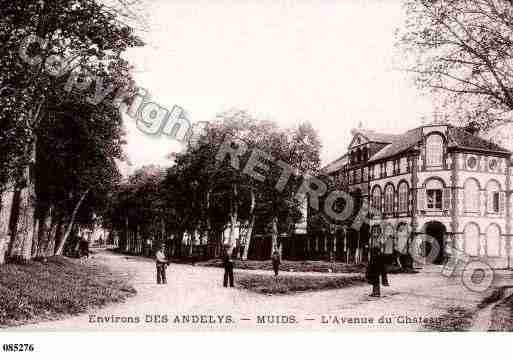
x,y
162,263
375,270
228,269
275,259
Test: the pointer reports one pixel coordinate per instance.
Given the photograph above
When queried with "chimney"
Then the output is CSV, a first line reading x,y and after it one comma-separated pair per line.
x,y
472,128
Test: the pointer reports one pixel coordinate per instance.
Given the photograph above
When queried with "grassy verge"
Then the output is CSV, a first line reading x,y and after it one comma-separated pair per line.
x,y
41,291
457,319
292,266
268,284
502,314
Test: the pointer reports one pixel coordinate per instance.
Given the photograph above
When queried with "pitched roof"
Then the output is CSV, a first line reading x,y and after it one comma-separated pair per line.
x,y
457,137
335,165
464,139
374,136
404,142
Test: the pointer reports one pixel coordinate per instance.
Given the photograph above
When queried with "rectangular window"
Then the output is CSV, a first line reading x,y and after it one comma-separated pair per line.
x,y
403,165
390,168
357,178
495,202
434,198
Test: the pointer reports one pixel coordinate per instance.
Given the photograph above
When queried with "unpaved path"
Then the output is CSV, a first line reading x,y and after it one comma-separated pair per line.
x,y
197,292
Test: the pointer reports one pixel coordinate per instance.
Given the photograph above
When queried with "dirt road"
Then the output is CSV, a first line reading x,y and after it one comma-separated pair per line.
x,y
194,299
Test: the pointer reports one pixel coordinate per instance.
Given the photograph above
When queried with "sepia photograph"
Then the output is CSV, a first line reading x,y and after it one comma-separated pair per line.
x,y
291,166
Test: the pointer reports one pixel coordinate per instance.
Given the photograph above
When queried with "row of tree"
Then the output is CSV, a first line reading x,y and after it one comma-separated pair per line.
x,y
58,150
203,195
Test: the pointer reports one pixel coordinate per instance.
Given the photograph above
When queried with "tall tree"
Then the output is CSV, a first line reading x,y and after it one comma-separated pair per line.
x,y
90,37
463,52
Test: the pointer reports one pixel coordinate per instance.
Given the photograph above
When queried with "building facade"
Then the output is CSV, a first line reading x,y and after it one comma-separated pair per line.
x,y
438,180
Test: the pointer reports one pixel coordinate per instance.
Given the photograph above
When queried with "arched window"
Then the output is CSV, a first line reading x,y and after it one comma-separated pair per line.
x,y
376,198
358,155
403,197
389,199
434,150
493,240
493,190
434,194
471,195
471,235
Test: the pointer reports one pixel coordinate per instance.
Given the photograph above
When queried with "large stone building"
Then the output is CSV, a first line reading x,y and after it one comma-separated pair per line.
x,y
438,180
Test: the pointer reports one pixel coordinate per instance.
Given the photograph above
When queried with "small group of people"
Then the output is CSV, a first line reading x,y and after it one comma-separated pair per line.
x,y
376,270
162,263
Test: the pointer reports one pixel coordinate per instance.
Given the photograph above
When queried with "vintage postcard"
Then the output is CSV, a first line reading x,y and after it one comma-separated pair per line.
x,y
191,166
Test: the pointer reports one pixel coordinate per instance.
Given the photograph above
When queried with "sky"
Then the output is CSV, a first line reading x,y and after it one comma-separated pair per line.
x,y
332,63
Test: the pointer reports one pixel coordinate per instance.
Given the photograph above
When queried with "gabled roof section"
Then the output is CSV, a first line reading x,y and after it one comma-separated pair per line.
x,y
336,165
463,139
457,138
373,136
401,144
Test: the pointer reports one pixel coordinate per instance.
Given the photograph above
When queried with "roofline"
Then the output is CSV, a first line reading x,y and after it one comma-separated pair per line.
x,y
394,155
503,152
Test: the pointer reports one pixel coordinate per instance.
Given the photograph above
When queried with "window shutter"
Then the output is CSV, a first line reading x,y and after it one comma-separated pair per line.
x,y
502,201
421,199
447,199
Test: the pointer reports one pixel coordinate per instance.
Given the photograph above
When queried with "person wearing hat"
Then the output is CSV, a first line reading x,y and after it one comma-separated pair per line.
x,y
162,263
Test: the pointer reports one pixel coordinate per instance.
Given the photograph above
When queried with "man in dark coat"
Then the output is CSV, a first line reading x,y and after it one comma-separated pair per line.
x,y
376,269
228,269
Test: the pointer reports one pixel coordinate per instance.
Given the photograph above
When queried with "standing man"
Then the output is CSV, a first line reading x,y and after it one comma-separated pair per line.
x,y
375,270
162,263
228,268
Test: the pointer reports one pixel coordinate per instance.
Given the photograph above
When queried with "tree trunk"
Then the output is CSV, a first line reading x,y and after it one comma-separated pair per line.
x,y
41,214
191,239
164,238
35,237
125,236
233,219
251,225
274,236
209,227
59,250
23,220
249,233
6,202
23,223
53,235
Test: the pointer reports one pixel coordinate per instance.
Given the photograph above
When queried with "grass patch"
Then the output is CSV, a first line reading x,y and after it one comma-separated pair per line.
x,y
502,315
457,319
268,284
42,291
292,266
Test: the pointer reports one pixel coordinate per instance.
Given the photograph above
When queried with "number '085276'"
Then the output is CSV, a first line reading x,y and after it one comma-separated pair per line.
x,y
18,347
